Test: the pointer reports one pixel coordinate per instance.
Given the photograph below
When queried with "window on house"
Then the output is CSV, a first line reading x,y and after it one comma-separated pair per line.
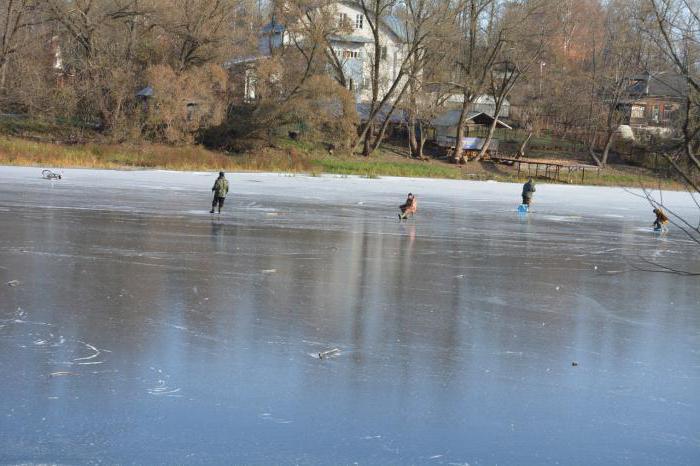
x,y
249,86
383,52
637,111
343,20
351,84
670,113
191,110
359,19
351,54
655,114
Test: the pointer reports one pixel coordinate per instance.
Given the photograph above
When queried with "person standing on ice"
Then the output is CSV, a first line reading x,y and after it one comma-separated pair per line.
x,y
220,190
528,191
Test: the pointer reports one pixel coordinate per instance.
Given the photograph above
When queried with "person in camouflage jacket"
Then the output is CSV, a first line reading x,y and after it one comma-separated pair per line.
x,y
220,190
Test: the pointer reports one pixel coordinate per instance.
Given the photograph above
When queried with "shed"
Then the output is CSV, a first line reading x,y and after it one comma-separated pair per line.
x,y
145,93
445,125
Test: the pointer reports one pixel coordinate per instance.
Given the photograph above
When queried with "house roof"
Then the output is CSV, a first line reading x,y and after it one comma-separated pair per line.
x,y
668,85
489,100
244,60
351,38
273,26
145,92
391,22
396,26
450,118
658,85
454,94
398,116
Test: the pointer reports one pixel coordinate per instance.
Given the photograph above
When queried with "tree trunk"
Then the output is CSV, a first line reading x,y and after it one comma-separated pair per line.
x,y
380,137
411,125
591,152
3,73
366,148
606,150
489,137
521,150
360,137
387,119
492,129
368,127
458,154
421,141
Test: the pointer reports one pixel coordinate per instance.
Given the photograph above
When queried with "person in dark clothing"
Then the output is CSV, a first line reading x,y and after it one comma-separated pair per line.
x,y
661,220
220,190
409,207
528,190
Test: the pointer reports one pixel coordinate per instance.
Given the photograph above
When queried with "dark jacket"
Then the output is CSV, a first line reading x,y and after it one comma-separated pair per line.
x,y
528,189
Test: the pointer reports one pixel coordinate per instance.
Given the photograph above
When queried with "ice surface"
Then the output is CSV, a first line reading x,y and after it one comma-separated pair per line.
x,y
305,325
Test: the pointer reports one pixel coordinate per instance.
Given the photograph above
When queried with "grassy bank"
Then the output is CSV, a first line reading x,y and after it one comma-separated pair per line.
x,y
288,156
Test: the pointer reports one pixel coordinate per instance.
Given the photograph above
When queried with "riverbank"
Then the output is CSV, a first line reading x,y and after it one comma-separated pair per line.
x,y
286,157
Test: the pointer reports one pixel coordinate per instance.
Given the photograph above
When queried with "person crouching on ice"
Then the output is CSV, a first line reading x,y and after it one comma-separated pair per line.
x,y
409,207
528,191
661,220
220,190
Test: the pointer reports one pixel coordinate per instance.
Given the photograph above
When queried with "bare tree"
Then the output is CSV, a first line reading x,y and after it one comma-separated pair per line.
x,y
88,23
476,49
675,32
673,26
422,18
199,31
376,11
16,17
311,28
519,53
425,97
619,58
293,81
558,94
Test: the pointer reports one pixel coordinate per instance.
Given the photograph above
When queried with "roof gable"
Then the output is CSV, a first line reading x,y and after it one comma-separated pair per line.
x,y
450,118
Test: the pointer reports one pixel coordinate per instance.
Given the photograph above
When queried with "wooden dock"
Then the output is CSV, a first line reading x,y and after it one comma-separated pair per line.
x,y
551,168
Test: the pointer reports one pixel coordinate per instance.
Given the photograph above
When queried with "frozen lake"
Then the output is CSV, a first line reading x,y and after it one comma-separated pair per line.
x,y
138,329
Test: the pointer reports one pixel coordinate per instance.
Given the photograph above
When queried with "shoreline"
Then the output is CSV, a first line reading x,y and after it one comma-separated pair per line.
x,y
81,174
671,188
22,152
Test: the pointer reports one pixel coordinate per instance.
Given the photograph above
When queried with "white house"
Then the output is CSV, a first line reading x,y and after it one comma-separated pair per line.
x,y
354,50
